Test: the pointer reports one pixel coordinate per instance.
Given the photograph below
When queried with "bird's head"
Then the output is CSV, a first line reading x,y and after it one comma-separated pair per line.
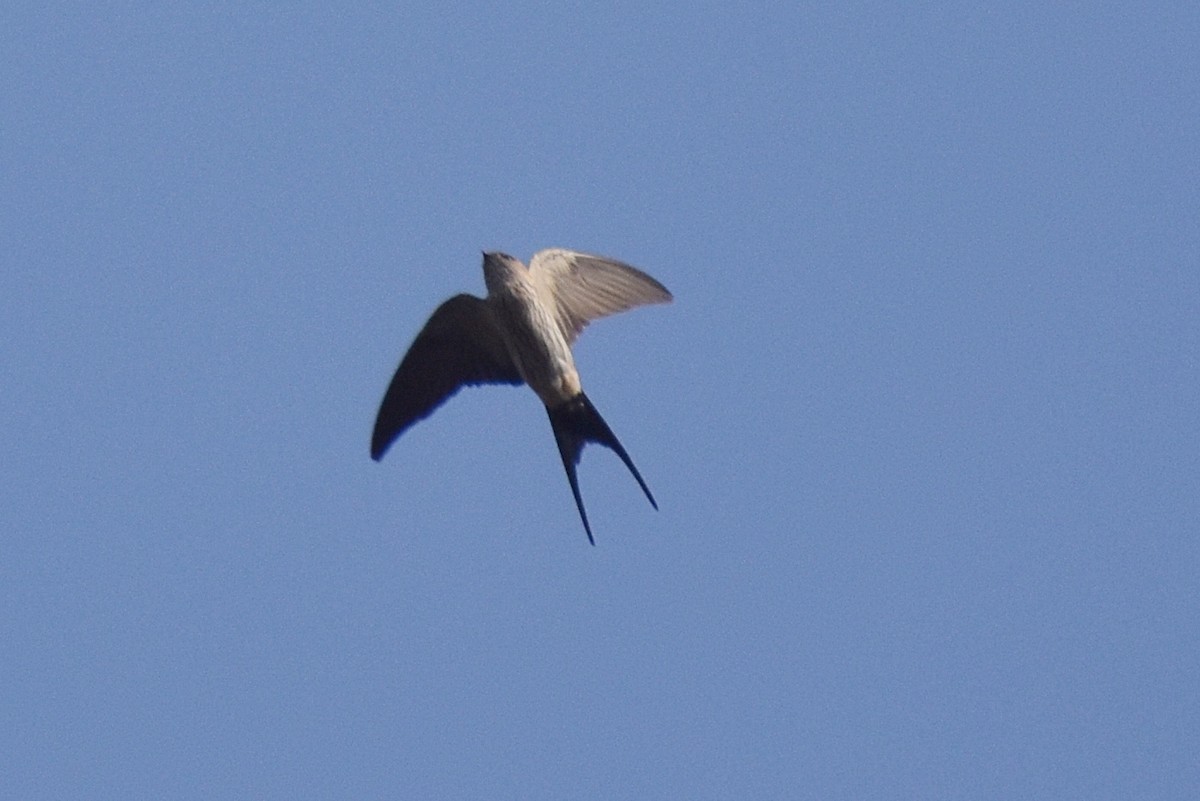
x,y
499,269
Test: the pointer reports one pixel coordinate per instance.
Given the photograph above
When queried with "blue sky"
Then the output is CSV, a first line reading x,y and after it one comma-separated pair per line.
x,y
922,420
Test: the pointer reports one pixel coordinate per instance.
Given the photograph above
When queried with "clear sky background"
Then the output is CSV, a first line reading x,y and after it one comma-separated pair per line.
x,y
922,421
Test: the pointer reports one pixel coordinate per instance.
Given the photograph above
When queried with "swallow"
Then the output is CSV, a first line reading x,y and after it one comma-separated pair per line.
x,y
521,333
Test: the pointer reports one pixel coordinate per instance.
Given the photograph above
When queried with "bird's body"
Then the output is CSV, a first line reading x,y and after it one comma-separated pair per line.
x,y
532,336
521,333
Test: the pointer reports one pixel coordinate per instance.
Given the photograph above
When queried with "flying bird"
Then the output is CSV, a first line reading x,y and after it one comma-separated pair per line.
x,y
521,333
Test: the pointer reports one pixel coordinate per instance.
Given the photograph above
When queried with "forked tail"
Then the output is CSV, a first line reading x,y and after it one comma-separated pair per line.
x,y
576,422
